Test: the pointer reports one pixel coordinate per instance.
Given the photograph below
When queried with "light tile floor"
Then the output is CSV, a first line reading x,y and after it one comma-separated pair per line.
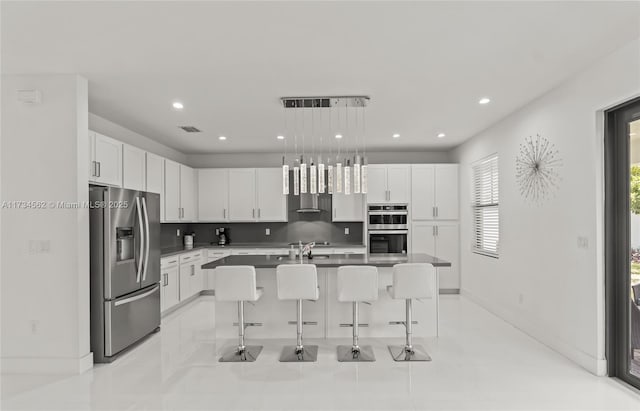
x,y
479,363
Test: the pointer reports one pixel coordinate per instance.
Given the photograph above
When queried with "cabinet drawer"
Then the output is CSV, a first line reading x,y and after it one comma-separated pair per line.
x,y
216,254
169,261
353,250
189,257
245,251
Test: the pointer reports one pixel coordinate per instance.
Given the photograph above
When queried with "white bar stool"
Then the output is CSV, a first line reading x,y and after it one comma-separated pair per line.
x,y
238,283
298,282
410,281
356,284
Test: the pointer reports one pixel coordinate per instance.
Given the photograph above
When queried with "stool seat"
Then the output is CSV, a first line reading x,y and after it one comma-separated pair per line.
x,y
238,283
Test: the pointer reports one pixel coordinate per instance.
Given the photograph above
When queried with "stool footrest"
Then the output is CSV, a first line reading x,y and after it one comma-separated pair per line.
x,y
351,325
401,322
304,322
249,325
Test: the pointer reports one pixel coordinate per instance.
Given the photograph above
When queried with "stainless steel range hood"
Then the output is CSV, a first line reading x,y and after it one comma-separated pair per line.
x,y
308,203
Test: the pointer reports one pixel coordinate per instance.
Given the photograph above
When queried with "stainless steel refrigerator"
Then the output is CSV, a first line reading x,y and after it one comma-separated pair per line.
x,y
125,268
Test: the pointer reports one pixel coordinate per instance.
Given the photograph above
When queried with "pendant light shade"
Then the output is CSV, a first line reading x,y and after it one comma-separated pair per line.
x,y
296,180
313,179
347,178
338,177
330,179
285,178
356,175
321,183
364,184
303,177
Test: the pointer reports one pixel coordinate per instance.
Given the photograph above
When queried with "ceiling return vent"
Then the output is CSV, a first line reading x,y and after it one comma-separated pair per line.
x,y
190,129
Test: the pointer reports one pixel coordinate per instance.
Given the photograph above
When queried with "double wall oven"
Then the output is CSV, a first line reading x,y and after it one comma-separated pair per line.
x,y
388,228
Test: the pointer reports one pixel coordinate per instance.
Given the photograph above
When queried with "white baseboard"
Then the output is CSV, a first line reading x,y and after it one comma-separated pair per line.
x,y
594,365
46,365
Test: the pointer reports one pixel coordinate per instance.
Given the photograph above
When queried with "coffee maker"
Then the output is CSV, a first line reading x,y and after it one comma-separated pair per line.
x,y
223,236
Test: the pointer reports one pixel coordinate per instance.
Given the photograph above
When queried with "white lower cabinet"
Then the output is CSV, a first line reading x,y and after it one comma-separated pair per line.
x,y
190,274
169,282
441,240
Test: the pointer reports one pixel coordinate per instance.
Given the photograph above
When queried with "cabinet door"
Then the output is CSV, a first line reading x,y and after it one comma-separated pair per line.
x,y
423,238
134,168
377,183
172,211
92,156
398,183
422,192
196,277
169,280
446,191
242,194
448,248
186,272
347,207
213,194
271,203
109,160
188,193
154,174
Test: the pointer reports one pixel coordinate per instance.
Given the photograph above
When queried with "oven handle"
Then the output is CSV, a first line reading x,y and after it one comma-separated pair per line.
x,y
388,231
388,212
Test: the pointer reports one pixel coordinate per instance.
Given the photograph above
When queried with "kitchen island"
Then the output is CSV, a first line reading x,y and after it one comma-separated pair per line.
x,y
327,311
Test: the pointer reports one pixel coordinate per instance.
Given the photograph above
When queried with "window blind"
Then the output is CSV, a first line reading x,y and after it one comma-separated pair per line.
x,y
486,216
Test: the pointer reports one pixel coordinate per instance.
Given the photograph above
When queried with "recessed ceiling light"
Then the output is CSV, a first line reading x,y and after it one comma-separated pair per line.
x,y
222,138
338,136
441,135
396,135
484,100
280,137
178,105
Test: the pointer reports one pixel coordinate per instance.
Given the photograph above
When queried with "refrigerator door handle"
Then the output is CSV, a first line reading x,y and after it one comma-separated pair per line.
x,y
137,297
142,237
146,238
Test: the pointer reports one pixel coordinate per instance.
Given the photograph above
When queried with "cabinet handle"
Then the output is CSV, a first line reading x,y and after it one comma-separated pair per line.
x,y
334,212
433,211
253,213
436,211
98,163
193,270
224,213
258,213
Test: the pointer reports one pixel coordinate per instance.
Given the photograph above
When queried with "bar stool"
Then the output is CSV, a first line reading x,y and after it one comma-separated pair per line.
x,y
410,280
298,282
238,283
356,284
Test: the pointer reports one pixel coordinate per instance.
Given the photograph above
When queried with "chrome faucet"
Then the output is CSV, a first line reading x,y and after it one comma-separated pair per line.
x,y
306,248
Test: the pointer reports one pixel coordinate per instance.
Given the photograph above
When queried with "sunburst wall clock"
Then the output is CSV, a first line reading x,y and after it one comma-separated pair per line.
x,y
537,167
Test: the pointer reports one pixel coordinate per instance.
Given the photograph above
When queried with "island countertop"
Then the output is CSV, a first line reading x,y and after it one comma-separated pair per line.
x,y
330,261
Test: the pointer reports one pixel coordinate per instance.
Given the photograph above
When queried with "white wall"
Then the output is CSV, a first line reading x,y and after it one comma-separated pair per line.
x,y
275,159
45,295
561,285
111,129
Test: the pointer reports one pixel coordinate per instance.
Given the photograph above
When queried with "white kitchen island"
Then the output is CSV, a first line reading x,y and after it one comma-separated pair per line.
x,y
275,314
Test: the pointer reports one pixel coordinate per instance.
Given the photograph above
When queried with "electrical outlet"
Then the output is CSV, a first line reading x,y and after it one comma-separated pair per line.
x,y
217,232
178,232
346,231
583,242
35,324
267,231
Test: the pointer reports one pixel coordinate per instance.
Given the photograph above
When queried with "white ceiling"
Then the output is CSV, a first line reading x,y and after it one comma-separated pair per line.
x,y
424,64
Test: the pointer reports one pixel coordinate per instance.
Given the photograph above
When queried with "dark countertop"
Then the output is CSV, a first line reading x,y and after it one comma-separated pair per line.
x,y
335,260
169,251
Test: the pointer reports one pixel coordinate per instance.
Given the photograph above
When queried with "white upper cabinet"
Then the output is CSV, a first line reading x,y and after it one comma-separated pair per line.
x,y
271,203
347,207
134,168
188,195
172,210
389,183
105,166
154,174
242,194
213,194
434,191
398,183
377,183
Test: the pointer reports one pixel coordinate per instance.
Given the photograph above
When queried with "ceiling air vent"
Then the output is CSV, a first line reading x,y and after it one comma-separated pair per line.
x,y
190,129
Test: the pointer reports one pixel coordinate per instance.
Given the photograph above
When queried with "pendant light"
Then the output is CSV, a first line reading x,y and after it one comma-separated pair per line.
x,y
296,168
285,166
303,165
364,172
347,177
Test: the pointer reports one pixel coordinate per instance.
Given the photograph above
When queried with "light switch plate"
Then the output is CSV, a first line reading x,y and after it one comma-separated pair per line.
x,y
346,231
267,231
178,232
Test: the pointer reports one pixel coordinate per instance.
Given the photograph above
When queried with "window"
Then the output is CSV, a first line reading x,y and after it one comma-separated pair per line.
x,y
486,215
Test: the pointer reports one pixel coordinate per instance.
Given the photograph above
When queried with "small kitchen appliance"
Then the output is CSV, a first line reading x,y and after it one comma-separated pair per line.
x,y
223,236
